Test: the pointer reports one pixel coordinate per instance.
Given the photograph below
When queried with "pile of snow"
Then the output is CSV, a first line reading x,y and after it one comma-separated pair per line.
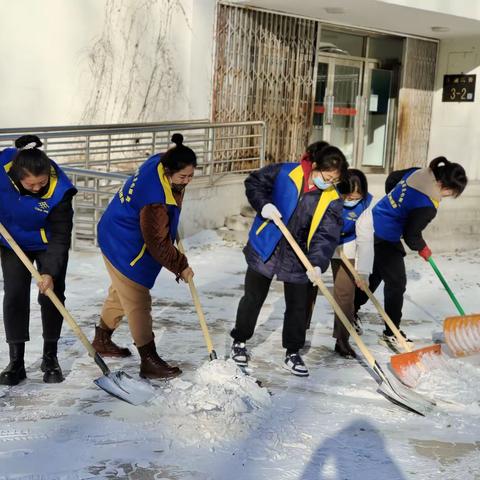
x,y
218,402
445,378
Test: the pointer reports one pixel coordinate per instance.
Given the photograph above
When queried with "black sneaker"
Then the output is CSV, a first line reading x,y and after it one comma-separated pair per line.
x,y
390,340
295,365
239,354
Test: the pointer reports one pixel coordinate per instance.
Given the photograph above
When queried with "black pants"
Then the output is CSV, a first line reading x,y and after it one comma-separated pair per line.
x,y
298,300
16,300
389,266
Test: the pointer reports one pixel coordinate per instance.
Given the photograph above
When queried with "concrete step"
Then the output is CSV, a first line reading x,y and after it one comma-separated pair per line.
x,y
247,211
238,223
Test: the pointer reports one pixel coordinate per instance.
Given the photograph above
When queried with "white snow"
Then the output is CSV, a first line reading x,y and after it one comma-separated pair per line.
x,y
213,422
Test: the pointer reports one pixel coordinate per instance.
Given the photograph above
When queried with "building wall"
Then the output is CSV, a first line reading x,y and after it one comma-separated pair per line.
x,y
455,129
105,61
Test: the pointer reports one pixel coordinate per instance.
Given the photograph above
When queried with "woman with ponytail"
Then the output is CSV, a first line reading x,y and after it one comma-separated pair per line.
x,y
36,209
136,235
413,197
304,196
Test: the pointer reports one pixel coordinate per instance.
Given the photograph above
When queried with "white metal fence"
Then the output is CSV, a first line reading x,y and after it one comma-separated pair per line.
x,y
98,159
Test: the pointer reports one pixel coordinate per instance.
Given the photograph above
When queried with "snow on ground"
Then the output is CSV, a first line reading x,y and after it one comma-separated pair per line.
x,y
214,423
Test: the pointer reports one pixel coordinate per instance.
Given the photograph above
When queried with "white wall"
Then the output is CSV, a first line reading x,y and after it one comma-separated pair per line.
x,y
459,8
455,128
105,61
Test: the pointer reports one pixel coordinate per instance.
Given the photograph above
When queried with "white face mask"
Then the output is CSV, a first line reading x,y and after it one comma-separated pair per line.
x,y
351,203
321,184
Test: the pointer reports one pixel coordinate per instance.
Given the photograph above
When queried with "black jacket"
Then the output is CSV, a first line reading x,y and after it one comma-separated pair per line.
x,y
284,262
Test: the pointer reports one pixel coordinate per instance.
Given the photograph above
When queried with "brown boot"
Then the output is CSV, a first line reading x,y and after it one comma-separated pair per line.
x,y
103,344
153,366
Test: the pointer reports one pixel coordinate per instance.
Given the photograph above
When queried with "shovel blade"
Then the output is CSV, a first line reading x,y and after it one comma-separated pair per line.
x,y
408,366
462,334
123,386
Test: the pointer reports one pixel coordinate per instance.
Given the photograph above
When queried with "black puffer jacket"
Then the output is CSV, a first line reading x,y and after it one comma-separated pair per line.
x,y
284,262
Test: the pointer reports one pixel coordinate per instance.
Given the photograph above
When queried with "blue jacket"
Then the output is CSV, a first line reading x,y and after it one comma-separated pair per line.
x,y
350,216
396,209
313,218
26,217
119,233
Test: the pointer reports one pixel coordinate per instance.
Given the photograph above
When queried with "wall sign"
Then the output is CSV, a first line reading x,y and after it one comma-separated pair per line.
x,y
458,88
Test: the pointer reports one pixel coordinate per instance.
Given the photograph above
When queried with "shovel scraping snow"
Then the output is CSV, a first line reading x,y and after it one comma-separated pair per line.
x,y
118,384
401,363
391,389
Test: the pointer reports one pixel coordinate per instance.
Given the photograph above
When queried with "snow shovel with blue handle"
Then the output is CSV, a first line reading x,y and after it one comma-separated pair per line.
x,y
388,386
119,384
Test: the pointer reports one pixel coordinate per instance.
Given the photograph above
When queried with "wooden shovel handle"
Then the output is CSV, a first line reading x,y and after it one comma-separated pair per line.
x,y
49,293
306,263
377,304
198,307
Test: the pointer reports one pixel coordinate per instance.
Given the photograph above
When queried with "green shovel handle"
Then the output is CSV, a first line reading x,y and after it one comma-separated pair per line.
x,y
445,284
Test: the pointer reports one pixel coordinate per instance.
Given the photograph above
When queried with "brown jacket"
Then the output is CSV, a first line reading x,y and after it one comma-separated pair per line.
x,y
154,223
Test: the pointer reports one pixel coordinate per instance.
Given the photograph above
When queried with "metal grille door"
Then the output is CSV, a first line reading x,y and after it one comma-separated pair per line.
x,y
264,70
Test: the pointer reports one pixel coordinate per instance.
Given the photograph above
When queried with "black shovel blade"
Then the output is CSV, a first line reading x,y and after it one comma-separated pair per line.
x,y
123,386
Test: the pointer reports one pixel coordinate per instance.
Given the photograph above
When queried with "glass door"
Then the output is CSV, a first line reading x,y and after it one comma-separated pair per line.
x,y
375,117
337,101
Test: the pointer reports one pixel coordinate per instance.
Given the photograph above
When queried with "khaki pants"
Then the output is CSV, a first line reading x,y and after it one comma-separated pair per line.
x,y
126,297
344,294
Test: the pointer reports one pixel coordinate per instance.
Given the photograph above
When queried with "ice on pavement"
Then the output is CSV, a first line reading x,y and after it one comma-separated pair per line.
x,y
213,422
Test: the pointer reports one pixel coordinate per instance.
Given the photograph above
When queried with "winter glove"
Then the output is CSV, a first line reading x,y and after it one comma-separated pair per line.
x,y
425,253
314,274
268,210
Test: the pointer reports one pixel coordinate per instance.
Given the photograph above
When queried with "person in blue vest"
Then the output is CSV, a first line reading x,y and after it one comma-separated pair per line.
x,y
304,196
413,197
136,235
356,242
36,209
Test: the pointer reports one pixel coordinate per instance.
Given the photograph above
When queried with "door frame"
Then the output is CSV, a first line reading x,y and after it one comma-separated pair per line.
x,y
362,104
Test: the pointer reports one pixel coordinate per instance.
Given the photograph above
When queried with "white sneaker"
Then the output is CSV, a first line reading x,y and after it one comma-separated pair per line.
x,y
239,354
294,364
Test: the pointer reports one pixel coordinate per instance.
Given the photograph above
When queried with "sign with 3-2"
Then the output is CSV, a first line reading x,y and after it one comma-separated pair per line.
x,y
458,88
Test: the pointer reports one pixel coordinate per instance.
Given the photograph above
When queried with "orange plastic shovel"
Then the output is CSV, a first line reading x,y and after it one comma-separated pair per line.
x,y
401,363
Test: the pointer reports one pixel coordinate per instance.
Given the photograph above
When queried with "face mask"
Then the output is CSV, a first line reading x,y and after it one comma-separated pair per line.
x,y
178,187
321,184
351,203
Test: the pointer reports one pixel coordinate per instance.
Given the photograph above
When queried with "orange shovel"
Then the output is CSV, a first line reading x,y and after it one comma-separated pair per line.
x,y
401,363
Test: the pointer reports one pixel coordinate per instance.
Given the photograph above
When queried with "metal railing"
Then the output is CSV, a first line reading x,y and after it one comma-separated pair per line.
x,y
221,148
95,190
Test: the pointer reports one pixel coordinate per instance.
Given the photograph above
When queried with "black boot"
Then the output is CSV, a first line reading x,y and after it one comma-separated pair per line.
x,y
104,345
343,348
15,371
50,367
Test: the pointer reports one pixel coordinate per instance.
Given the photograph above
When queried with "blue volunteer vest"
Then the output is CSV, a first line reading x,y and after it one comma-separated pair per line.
x,y
26,216
350,217
264,234
119,234
391,212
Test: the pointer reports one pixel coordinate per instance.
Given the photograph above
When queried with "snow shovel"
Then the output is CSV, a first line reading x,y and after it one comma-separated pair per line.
x,y
118,383
401,362
198,307
462,332
392,390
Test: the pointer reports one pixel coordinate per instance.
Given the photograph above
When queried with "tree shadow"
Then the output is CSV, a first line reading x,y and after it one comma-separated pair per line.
x,y
357,452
